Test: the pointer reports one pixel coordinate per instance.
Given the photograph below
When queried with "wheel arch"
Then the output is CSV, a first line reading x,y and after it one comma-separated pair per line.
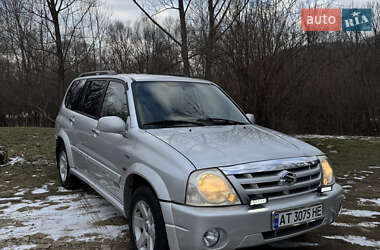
x,y
143,175
63,140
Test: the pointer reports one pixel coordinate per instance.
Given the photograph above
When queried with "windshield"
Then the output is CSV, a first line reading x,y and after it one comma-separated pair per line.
x,y
174,104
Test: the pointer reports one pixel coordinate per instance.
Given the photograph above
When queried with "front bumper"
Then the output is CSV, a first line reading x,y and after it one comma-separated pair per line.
x,y
242,226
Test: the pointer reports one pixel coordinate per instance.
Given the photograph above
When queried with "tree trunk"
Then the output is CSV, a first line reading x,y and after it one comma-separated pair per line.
x,y
184,47
210,40
59,51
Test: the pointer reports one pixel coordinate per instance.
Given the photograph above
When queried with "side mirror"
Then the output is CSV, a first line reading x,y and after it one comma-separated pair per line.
x,y
112,124
251,118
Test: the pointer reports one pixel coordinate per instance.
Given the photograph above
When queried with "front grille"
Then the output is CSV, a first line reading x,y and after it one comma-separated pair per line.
x,y
261,183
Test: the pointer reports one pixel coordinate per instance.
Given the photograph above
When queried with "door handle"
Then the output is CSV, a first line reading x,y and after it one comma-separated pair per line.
x,y
72,119
95,131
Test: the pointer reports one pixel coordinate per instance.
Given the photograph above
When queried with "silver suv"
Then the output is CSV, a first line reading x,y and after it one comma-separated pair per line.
x,y
186,166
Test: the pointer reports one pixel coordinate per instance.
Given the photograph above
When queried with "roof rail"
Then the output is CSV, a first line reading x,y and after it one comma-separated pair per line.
x,y
176,74
96,73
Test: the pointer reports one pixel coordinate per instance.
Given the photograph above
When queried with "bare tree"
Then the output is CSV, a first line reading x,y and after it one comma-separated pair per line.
x,y
255,50
182,11
216,18
63,22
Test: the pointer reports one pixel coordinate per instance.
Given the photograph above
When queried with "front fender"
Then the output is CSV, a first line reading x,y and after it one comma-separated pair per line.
x,y
152,177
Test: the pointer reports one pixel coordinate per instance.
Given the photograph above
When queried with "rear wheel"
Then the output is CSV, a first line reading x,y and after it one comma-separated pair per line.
x,y
146,221
68,180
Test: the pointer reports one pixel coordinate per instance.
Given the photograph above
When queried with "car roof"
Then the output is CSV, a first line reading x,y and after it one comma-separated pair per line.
x,y
147,78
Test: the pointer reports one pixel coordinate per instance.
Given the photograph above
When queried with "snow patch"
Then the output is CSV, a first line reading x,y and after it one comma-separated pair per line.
x,y
374,167
363,138
367,172
338,224
73,216
20,192
10,199
375,201
14,161
361,224
20,247
322,137
360,178
355,240
41,190
360,213
63,190
5,205
369,224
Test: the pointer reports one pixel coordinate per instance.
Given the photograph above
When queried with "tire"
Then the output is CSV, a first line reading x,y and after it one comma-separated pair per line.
x,y
68,180
141,233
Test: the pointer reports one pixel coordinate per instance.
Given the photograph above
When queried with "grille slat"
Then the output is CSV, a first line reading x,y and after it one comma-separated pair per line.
x,y
308,172
260,180
267,184
304,184
274,189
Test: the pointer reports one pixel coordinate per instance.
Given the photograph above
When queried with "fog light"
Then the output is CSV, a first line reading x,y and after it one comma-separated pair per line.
x,y
211,237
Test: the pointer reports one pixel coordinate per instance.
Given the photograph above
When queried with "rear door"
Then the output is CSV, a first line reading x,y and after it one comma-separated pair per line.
x,y
111,149
72,104
87,120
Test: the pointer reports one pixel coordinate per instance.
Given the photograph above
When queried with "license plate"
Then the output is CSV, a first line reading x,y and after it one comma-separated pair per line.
x,y
296,216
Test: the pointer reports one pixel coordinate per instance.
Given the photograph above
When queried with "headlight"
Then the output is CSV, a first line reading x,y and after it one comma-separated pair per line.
x,y
328,178
210,188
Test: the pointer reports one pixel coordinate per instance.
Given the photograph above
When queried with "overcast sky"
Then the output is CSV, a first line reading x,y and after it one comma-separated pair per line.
x,y
123,10
126,10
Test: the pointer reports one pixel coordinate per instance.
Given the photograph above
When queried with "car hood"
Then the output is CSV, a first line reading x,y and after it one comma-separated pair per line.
x,y
216,146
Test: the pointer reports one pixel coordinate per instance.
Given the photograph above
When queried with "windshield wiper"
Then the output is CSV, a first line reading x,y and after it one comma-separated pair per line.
x,y
220,121
177,123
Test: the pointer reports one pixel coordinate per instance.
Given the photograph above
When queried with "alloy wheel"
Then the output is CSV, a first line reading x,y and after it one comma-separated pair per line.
x,y
143,226
63,167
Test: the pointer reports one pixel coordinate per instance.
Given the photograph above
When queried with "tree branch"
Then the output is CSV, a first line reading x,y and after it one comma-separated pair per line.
x,y
157,24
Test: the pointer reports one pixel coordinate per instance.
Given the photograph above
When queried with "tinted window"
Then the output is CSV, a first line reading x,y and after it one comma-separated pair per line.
x,y
115,101
94,97
74,96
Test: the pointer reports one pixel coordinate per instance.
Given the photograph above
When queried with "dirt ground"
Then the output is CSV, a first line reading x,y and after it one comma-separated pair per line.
x,y
36,213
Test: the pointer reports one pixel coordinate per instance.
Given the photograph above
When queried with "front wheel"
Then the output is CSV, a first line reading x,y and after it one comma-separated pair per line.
x,y
146,221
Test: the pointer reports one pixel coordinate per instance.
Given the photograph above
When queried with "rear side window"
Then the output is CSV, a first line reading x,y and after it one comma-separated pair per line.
x,y
93,97
74,95
115,101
